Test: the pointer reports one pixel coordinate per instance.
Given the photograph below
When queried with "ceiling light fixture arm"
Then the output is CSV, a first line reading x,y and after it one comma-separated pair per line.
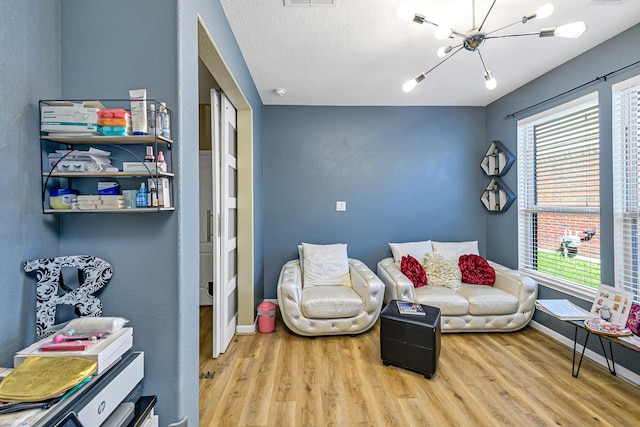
x,y
442,62
485,17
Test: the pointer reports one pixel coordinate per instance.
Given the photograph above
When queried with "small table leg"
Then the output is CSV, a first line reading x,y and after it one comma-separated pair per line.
x,y
574,371
612,366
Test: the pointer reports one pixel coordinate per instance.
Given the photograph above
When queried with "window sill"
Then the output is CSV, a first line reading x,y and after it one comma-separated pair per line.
x,y
581,292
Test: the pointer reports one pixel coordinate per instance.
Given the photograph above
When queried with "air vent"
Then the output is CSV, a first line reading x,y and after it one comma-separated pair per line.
x,y
607,2
310,3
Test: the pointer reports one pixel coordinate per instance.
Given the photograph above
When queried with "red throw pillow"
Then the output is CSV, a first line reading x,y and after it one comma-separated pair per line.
x,y
411,268
476,270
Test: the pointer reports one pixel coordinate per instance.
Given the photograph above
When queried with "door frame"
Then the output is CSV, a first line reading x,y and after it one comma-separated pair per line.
x,y
211,57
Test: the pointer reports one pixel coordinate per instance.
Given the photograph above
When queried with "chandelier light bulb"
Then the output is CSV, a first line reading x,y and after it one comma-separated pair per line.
x,y
571,31
544,11
442,32
405,14
409,85
491,83
444,51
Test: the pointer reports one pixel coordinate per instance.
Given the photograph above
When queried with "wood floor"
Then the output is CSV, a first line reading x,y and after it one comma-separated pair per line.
x,y
511,379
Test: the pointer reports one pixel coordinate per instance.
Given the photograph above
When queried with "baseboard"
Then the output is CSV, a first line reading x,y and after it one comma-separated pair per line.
x,y
247,329
621,371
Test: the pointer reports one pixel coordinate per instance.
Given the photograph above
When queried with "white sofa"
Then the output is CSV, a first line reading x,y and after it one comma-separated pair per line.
x,y
508,305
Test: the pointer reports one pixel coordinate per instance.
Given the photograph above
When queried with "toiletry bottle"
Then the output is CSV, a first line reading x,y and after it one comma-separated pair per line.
x,y
149,157
153,193
166,126
141,198
151,119
162,165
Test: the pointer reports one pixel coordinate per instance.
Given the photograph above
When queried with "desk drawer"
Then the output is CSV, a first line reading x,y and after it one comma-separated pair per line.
x,y
104,403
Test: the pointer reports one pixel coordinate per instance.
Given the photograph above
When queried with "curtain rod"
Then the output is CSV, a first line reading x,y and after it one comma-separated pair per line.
x,y
512,115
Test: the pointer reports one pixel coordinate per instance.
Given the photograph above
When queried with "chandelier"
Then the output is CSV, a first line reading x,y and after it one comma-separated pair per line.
x,y
474,38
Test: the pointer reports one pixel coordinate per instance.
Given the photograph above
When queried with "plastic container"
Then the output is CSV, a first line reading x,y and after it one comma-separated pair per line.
x,y
266,317
112,113
62,198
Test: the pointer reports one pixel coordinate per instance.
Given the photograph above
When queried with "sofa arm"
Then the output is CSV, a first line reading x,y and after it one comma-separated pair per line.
x,y
397,285
290,287
517,284
367,285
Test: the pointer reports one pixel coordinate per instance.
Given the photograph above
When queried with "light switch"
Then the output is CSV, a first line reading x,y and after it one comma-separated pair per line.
x,y
341,206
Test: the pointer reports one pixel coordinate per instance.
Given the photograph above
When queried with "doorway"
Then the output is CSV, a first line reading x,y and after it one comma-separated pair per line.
x,y
216,68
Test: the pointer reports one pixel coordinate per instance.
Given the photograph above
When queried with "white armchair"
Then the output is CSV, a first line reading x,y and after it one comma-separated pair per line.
x,y
335,309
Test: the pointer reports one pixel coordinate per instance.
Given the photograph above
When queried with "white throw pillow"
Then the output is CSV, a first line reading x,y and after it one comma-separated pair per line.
x,y
454,250
325,265
415,249
442,271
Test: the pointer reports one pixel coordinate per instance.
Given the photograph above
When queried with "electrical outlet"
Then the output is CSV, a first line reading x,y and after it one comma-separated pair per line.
x,y
341,206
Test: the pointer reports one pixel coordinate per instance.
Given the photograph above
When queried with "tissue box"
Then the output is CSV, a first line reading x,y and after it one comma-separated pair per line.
x,y
68,119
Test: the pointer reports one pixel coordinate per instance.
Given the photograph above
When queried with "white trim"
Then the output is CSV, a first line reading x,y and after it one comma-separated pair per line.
x,y
621,372
583,292
247,329
563,109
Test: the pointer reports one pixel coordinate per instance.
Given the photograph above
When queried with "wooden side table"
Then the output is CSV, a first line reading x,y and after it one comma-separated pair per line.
x,y
610,338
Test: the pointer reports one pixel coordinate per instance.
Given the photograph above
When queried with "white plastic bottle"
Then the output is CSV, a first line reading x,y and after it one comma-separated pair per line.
x,y
164,115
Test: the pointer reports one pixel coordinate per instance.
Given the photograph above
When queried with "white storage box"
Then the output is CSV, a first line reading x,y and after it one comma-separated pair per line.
x,y
105,351
68,119
142,167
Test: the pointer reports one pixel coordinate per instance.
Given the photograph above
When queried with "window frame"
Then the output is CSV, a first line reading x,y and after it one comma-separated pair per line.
x,y
622,162
525,202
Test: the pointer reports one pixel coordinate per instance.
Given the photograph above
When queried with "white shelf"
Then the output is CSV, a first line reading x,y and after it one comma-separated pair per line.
x,y
107,140
122,211
107,174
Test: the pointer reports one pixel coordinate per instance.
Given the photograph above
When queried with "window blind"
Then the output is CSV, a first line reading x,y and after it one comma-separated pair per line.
x,y
559,196
626,188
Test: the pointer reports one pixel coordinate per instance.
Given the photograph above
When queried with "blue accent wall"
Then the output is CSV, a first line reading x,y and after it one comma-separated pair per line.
x,y
406,173
29,71
100,50
502,236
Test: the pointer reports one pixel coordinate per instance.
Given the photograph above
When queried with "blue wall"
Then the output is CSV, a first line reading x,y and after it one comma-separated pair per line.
x,y
406,174
502,237
29,71
98,50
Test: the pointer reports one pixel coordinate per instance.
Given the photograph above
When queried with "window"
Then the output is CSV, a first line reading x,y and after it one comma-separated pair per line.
x,y
626,188
559,197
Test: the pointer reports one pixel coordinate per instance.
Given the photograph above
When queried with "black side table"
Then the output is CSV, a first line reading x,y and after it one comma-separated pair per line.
x,y
410,341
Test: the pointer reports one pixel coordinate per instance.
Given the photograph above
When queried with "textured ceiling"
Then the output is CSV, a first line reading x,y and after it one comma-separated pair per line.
x,y
359,53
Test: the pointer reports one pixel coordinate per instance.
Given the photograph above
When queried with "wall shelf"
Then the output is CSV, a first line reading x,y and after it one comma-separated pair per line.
x,y
497,197
498,160
126,148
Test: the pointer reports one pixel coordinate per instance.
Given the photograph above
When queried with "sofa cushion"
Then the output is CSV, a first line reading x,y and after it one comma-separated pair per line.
x,y
447,300
453,250
441,271
415,249
325,265
476,270
330,302
487,300
410,267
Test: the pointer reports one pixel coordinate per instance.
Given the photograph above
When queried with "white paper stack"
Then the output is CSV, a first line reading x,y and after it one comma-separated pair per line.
x,y
88,202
